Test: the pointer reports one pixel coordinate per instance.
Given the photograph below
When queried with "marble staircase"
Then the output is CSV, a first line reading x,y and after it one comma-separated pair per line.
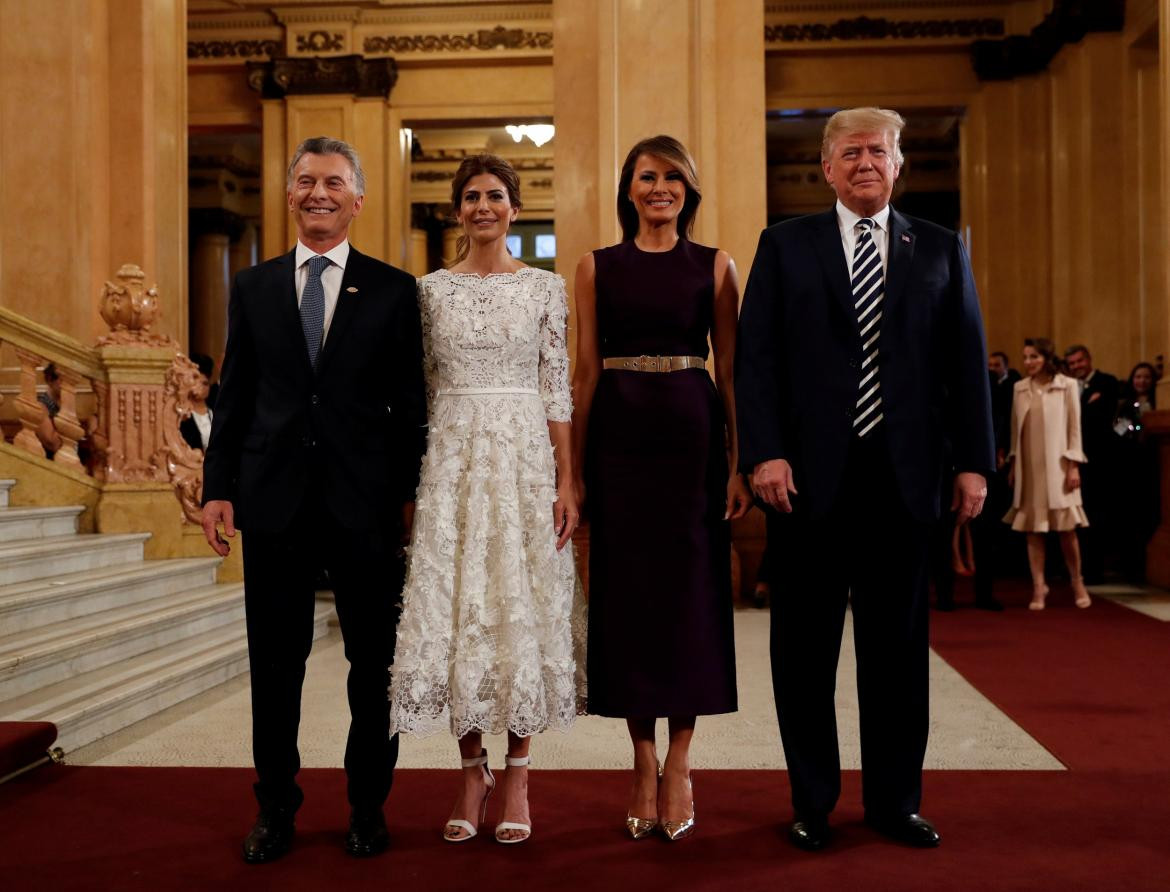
x,y
94,638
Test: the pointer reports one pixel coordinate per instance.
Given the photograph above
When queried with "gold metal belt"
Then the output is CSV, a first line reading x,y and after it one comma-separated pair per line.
x,y
653,363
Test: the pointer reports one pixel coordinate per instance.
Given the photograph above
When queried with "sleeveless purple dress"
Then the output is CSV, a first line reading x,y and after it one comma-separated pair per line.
x,y
661,640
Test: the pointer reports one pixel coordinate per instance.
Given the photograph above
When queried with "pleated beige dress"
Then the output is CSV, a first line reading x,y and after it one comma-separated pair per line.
x,y
1035,513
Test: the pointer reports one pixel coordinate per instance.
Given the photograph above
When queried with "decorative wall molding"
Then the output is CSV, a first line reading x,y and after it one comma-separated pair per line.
x,y
232,49
496,38
278,78
314,14
320,41
1069,22
866,28
410,14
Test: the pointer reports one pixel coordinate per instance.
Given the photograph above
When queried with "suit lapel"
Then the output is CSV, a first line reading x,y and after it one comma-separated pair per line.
x,y
899,257
347,304
831,254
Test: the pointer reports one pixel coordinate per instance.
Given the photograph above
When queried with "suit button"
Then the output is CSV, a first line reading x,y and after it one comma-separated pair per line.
x,y
316,401
853,363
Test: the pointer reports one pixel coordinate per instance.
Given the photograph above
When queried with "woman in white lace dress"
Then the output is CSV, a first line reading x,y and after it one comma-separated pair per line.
x,y
491,637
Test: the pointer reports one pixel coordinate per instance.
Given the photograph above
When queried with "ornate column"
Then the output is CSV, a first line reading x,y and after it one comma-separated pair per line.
x,y
450,240
418,252
340,96
243,252
213,230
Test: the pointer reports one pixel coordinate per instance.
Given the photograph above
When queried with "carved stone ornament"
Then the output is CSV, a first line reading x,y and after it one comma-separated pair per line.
x,y
497,38
184,464
232,49
313,76
320,42
865,28
130,308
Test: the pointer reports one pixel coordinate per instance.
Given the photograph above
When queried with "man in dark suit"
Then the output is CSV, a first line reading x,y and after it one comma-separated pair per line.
x,y
1100,393
861,363
315,448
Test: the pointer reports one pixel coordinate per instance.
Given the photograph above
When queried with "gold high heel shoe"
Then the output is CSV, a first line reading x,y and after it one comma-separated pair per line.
x,y
640,828
676,830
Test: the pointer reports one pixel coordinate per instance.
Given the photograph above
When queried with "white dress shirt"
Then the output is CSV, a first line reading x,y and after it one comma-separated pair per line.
x,y
847,221
330,277
203,422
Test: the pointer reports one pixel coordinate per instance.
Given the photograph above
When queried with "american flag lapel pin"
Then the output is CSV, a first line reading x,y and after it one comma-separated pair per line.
x,y
906,238
351,289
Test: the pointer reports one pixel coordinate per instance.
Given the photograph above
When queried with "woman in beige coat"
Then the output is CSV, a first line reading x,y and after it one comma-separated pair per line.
x,y
1045,463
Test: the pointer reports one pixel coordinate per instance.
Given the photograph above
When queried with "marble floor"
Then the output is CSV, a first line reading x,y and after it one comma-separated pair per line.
x,y
213,729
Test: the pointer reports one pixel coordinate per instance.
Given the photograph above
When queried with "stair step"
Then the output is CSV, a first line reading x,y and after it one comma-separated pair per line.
x,y
35,658
95,704
38,602
26,559
38,523
6,485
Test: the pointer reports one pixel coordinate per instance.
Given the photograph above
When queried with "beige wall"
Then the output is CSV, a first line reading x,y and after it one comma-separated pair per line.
x,y
706,89
1064,206
93,149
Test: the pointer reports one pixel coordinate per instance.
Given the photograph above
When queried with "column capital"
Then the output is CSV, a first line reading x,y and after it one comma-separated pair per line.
x,y
355,74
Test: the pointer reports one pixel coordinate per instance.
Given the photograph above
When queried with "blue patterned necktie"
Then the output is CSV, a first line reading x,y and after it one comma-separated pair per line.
x,y
868,292
313,307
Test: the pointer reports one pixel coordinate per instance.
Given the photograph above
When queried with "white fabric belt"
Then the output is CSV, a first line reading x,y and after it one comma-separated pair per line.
x,y
477,391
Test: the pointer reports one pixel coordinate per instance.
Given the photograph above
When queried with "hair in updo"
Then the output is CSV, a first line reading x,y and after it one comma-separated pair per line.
x,y
473,166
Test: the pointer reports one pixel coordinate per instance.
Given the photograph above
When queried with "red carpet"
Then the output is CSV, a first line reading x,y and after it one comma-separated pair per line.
x,y
1090,685
23,743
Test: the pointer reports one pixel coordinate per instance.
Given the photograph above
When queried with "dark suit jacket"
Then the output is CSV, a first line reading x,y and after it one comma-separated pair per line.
x,y
1098,408
353,430
799,356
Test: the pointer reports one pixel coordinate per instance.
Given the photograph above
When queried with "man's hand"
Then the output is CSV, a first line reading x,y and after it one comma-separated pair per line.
x,y
970,492
215,512
772,482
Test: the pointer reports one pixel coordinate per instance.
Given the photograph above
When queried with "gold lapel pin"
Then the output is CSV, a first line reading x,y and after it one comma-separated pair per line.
x,y
351,289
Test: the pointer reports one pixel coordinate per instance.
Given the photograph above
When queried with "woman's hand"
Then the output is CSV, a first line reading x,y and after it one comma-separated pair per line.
x,y
739,498
1072,477
565,514
579,490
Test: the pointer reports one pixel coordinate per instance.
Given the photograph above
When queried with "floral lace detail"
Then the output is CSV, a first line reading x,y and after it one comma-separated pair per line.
x,y
492,633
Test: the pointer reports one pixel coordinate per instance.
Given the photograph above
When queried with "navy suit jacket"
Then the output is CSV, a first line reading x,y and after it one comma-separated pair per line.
x,y
353,430
798,360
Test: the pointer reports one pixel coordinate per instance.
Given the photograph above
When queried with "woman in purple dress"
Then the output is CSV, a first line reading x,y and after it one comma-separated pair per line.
x,y
656,440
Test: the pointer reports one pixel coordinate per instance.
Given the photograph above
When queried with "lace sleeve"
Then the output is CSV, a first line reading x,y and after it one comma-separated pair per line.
x,y
430,366
554,353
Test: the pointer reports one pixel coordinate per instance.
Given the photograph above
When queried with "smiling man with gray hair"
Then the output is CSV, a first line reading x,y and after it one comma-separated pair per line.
x,y
860,371
315,449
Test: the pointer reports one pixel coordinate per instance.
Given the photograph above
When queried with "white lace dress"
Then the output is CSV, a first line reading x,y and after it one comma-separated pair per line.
x,y
492,632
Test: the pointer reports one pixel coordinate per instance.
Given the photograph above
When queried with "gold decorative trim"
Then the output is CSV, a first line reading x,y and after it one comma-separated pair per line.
x,y
320,41
865,28
315,14
232,49
497,38
514,12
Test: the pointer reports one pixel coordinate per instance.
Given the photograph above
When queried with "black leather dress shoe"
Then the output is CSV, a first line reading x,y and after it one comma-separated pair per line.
x,y
367,834
810,834
271,837
913,830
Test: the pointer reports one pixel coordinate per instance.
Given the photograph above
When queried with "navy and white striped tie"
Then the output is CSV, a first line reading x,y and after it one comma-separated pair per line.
x,y
868,292
313,307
